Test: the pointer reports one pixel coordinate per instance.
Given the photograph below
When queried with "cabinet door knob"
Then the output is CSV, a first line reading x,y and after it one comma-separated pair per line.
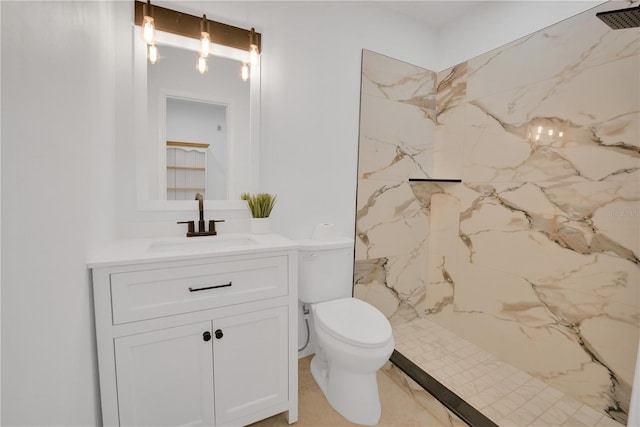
x,y
206,336
219,333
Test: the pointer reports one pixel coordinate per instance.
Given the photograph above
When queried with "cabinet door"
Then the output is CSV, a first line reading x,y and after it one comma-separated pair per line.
x,y
165,377
250,364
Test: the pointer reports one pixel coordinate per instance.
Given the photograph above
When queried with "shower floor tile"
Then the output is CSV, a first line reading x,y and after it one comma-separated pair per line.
x,y
503,393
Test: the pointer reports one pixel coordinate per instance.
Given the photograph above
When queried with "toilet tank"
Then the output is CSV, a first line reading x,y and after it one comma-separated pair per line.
x,y
325,269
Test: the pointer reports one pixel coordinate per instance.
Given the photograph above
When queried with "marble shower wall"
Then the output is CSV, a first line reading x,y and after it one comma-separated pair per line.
x,y
397,129
535,256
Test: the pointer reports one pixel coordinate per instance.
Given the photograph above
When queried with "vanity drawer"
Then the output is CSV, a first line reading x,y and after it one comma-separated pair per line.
x,y
161,292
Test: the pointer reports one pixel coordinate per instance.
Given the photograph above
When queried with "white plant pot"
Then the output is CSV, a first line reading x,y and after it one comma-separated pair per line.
x,y
259,225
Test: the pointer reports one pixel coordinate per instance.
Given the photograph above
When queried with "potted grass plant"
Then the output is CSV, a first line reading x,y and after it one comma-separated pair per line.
x,y
260,205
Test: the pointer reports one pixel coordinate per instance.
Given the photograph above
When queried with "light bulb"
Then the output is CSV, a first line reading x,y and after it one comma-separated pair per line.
x,y
205,44
148,30
244,72
201,65
253,55
205,38
148,26
152,53
253,48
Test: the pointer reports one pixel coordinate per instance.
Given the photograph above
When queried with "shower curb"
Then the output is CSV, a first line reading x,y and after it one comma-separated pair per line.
x,y
452,401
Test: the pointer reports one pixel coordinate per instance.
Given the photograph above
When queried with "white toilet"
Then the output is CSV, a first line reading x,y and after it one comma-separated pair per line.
x,y
353,338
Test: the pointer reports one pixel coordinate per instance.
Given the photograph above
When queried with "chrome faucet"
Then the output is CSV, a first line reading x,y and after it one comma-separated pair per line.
x,y
201,228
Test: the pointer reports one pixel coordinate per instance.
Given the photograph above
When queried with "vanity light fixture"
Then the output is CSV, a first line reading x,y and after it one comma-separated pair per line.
x,y
148,24
244,72
152,18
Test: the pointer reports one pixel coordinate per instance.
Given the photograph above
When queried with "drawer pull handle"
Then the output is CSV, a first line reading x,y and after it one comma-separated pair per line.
x,y
206,336
219,334
226,285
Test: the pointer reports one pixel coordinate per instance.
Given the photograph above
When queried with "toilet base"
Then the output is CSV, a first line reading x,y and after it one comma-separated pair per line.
x,y
353,395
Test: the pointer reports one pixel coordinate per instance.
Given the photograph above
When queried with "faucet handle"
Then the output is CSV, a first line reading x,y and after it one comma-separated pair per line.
x,y
191,225
212,225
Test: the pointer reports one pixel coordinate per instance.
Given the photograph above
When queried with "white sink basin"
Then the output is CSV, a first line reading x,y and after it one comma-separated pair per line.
x,y
202,244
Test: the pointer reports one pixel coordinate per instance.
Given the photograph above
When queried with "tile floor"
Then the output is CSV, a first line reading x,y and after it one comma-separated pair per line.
x,y
404,404
503,393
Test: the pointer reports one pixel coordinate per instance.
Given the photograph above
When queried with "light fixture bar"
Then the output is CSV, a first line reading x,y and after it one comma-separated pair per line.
x,y
186,25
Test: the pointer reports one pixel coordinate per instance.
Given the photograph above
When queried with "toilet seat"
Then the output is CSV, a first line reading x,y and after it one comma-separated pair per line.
x,y
354,322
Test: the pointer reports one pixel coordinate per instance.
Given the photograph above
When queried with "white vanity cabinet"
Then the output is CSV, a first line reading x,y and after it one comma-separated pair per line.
x,y
165,377
208,340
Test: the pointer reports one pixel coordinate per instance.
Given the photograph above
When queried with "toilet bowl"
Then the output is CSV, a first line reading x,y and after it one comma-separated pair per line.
x,y
354,341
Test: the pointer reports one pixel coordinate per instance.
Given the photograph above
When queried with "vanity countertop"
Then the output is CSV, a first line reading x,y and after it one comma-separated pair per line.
x,y
134,251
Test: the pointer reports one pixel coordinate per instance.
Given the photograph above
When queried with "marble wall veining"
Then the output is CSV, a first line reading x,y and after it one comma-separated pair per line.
x,y
535,255
397,129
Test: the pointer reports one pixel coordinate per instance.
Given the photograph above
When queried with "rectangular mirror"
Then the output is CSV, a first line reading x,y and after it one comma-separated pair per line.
x,y
195,133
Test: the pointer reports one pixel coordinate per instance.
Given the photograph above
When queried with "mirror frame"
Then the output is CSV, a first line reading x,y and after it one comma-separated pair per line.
x,y
144,200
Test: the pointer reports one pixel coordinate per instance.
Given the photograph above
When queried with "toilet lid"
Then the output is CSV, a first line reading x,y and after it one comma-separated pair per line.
x,y
353,321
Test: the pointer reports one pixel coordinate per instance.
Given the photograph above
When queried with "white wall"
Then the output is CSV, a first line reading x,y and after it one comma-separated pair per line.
x,y
311,105
57,204
0,223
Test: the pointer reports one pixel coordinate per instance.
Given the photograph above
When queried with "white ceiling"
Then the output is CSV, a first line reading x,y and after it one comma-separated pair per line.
x,y
436,14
